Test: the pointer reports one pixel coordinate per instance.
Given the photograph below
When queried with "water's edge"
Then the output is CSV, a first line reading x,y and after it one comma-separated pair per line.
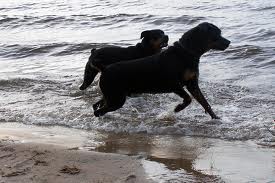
x,y
165,157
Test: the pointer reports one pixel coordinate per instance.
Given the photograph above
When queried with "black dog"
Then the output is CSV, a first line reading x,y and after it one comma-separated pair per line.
x,y
152,42
165,72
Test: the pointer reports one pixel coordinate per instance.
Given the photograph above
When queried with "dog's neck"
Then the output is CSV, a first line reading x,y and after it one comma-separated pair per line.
x,y
147,50
193,53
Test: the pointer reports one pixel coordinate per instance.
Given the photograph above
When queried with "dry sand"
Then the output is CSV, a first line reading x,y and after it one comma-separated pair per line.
x,y
42,163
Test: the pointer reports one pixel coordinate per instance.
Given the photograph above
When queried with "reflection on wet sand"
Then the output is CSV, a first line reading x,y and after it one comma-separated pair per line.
x,y
176,153
167,158
273,160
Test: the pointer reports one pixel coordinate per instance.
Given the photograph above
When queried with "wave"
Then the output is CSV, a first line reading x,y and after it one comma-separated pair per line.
x,y
26,83
71,49
52,49
252,53
261,35
244,51
22,51
92,21
58,21
265,8
268,63
184,19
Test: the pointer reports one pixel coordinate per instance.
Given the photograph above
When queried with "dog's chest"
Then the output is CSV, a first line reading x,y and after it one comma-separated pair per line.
x,y
189,74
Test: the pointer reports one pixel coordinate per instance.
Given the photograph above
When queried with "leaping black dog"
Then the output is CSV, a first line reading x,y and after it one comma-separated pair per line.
x,y
165,72
152,42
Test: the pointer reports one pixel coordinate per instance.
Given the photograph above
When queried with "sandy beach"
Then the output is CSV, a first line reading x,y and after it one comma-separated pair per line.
x,y
41,163
59,154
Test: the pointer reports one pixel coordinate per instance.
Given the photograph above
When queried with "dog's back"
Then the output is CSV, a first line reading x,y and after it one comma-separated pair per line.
x,y
157,73
112,54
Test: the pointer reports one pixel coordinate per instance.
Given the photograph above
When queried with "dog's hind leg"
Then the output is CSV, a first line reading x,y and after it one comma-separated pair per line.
x,y
186,99
89,76
110,105
98,104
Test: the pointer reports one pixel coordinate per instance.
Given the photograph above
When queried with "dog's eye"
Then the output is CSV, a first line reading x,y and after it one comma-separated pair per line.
x,y
215,38
155,38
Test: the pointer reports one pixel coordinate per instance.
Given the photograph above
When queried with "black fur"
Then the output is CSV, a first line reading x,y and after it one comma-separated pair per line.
x,y
165,72
152,43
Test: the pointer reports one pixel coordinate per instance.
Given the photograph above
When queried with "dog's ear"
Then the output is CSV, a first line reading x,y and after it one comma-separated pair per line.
x,y
204,26
145,34
93,50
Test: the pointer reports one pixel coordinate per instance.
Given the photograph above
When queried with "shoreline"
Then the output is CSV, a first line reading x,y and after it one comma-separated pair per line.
x,y
31,162
37,154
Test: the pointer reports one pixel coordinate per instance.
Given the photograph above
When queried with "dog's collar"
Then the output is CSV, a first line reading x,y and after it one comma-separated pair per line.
x,y
144,50
191,52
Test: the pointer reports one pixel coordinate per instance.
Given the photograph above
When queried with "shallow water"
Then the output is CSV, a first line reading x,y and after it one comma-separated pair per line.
x,y
45,45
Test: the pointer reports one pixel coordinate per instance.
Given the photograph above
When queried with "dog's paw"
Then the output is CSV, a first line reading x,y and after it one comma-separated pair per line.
x,y
215,117
83,86
182,106
95,106
96,113
179,107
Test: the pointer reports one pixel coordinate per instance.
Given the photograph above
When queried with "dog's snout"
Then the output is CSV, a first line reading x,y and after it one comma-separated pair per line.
x,y
164,41
225,43
221,44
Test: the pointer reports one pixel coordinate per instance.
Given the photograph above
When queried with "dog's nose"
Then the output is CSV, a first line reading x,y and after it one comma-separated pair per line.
x,y
164,41
227,42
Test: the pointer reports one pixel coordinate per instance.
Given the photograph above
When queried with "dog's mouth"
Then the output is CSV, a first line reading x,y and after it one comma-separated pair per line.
x,y
164,41
221,44
162,45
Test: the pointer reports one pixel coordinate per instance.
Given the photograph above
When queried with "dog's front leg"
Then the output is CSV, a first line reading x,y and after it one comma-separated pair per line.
x,y
194,89
186,99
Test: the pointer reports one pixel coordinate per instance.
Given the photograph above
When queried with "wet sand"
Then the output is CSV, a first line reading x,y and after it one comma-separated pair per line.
x,y
39,153
35,154
30,162
195,159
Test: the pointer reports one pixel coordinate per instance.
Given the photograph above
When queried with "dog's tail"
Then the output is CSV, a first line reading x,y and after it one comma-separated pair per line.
x,y
95,61
92,54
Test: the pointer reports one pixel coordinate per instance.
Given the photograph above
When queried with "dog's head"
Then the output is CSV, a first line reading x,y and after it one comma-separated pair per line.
x,y
204,37
154,39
